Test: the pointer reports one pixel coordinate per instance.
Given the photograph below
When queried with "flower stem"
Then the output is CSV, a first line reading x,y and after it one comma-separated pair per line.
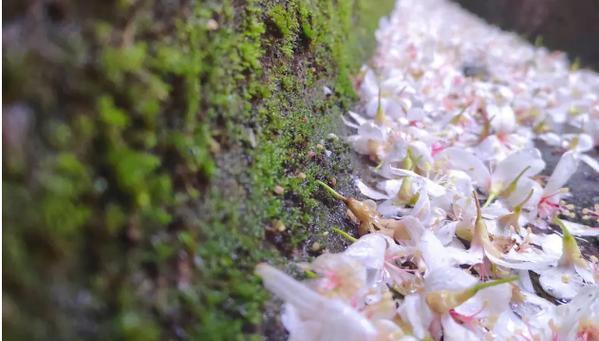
x,y
331,191
345,235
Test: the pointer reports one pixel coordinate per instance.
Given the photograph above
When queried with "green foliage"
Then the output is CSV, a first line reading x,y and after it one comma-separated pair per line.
x,y
139,196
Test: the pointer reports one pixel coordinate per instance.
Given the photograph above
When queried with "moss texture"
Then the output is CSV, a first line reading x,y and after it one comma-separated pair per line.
x,y
155,151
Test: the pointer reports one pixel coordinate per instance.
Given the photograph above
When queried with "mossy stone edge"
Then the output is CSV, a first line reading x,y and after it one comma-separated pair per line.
x,y
146,144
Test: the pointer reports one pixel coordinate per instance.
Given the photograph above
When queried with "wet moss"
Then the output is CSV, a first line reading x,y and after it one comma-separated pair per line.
x,y
144,142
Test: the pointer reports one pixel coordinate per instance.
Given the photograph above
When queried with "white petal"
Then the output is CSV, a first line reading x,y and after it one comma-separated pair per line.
x,y
584,306
489,148
594,164
520,261
432,187
391,187
487,302
289,289
508,169
581,230
369,130
390,209
508,325
551,139
329,319
564,169
523,189
369,250
502,119
561,282
422,208
585,143
449,278
369,192
524,280
431,247
414,228
462,160
416,312
356,117
446,232
552,244
299,330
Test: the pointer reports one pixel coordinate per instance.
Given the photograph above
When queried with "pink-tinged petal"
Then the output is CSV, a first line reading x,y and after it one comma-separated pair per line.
x,y
453,331
565,168
460,159
369,192
585,306
508,169
328,319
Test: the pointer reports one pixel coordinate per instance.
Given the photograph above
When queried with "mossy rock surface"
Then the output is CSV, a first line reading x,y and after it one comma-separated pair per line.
x,y
155,151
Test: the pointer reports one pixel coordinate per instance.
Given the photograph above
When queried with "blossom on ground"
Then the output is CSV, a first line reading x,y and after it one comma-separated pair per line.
x,y
452,110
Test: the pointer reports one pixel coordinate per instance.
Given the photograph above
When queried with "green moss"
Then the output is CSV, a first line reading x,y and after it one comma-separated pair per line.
x,y
143,184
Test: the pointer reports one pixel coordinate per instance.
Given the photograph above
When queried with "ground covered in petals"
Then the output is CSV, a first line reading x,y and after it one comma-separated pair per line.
x,y
481,216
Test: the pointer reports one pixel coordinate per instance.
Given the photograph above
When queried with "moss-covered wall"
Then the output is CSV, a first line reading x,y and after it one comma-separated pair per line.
x,y
155,151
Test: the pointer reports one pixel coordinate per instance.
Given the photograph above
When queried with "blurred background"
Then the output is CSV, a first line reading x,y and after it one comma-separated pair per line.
x,y
155,150
570,26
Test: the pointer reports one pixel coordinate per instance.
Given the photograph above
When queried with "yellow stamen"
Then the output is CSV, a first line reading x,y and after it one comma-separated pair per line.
x,y
379,118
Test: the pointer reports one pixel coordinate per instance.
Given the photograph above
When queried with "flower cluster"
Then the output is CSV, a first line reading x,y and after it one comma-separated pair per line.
x,y
460,238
